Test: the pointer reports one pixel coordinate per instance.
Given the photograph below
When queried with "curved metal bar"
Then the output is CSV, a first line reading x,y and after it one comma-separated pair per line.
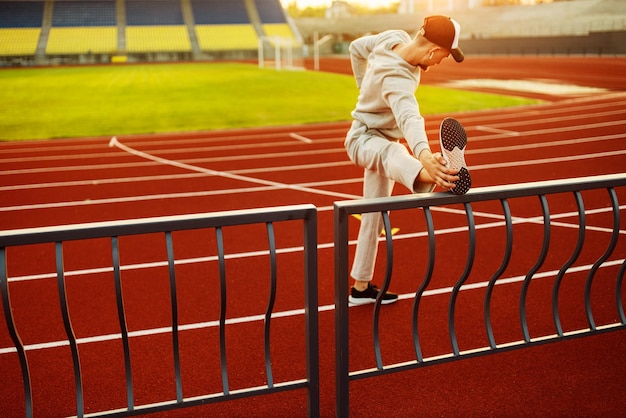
x,y
505,262
174,301
383,290
222,269
429,274
603,258
69,331
618,292
577,250
457,287
536,267
270,303
15,337
117,276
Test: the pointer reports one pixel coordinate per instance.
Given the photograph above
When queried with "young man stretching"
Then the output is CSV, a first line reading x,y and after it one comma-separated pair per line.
x,y
387,70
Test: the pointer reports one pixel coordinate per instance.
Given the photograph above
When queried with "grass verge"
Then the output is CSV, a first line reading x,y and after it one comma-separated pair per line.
x,y
62,102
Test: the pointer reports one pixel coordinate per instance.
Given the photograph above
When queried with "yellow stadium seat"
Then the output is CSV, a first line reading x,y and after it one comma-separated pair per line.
x,y
82,40
281,30
157,39
15,42
226,37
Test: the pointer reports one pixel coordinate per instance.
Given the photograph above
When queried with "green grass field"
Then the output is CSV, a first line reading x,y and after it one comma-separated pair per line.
x,y
65,102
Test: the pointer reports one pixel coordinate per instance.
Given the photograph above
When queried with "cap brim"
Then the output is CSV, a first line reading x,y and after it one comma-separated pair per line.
x,y
457,54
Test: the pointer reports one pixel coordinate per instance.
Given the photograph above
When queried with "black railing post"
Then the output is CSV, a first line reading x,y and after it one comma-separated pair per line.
x,y
342,382
311,312
119,297
15,337
69,331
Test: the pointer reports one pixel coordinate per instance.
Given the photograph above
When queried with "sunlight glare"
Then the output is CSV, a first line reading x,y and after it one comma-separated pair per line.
x,y
327,3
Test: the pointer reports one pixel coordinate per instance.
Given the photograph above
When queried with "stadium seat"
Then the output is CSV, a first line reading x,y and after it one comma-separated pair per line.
x,y
154,13
281,30
83,40
157,39
219,12
21,41
79,13
21,14
156,26
270,11
226,37
223,25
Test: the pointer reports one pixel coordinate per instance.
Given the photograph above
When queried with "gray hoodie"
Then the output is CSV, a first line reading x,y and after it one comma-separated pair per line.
x,y
387,85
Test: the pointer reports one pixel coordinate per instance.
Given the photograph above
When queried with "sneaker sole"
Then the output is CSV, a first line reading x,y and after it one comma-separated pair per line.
x,y
364,301
453,140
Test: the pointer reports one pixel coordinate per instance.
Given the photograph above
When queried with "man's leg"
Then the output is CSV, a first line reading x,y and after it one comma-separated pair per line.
x,y
374,185
385,163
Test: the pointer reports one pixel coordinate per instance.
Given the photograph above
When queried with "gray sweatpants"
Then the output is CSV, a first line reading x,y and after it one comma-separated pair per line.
x,y
385,161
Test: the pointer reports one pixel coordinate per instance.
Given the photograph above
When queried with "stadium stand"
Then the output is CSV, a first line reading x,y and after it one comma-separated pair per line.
x,y
156,26
223,26
155,38
20,27
154,12
227,37
270,11
219,12
274,21
83,27
82,40
91,31
84,13
18,42
20,14
96,31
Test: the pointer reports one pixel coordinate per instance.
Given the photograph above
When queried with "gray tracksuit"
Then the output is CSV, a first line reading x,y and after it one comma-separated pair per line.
x,y
386,111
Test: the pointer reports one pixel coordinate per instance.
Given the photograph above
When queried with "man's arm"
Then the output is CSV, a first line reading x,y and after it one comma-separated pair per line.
x,y
359,51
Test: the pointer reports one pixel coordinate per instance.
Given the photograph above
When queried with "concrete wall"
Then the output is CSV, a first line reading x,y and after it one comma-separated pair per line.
x,y
608,43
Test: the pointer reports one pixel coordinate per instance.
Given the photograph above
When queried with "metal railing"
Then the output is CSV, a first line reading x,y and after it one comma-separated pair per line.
x,y
342,215
166,225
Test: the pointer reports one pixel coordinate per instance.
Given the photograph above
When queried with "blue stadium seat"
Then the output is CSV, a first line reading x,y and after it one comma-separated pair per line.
x,y
219,12
154,13
21,14
84,13
270,11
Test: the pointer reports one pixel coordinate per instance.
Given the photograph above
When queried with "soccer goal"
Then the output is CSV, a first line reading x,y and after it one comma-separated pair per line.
x,y
280,53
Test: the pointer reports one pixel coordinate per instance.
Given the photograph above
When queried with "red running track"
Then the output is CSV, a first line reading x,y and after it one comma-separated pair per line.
x,y
84,180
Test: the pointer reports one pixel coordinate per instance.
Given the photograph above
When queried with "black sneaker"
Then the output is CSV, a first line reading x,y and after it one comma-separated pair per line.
x,y
369,296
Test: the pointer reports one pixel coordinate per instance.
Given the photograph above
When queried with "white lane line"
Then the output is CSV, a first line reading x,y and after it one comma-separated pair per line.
x,y
339,150
549,144
229,147
115,143
535,86
301,138
497,131
493,127
546,131
143,198
549,160
300,186
576,107
91,182
237,157
160,139
288,250
295,312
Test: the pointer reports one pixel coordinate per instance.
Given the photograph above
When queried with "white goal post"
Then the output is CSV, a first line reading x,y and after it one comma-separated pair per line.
x,y
280,53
